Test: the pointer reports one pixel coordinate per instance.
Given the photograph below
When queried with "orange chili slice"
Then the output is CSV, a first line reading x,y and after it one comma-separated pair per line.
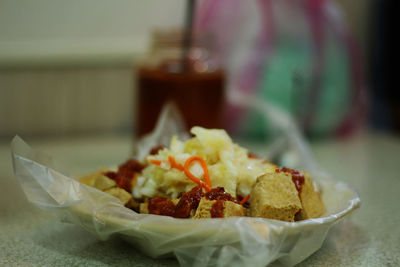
x,y
174,164
244,200
207,183
155,162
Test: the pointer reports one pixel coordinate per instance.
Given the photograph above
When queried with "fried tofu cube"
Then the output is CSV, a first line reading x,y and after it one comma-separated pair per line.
x,y
274,196
121,194
229,209
233,209
144,208
312,205
98,181
204,208
103,183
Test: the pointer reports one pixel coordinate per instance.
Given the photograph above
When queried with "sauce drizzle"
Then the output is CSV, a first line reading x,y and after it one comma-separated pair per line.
x,y
219,193
156,149
189,201
217,209
161,206
123,177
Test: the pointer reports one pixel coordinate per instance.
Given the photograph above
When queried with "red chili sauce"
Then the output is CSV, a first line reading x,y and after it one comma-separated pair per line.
x,y
161,206
123,177
156,149
217,209
189,201
252,156
255,156
297,178
219,194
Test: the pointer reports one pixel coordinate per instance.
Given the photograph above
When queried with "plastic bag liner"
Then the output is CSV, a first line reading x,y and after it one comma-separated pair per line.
x,y
234,241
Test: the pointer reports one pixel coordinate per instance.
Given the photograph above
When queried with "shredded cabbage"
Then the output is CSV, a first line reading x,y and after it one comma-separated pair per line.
x,y
228,164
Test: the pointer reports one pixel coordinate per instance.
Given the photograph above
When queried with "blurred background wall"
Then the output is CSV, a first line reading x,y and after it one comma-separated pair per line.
x,y
67,67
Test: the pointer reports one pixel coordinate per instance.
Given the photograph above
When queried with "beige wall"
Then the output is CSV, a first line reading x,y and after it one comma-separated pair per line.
x,y
65,100
66,66
48,30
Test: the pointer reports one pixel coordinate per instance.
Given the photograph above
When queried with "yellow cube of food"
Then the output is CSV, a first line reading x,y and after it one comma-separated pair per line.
x,y
227,209
274,196
98,180
312,205
121,194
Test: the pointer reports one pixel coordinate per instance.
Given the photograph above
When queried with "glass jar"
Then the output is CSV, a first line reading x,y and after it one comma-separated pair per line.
x,y
196,84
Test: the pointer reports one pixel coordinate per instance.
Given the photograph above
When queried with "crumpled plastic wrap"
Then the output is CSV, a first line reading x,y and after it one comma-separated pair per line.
x,y
235,241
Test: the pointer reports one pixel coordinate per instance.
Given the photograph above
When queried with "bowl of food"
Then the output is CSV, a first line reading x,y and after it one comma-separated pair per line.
x,y
202,198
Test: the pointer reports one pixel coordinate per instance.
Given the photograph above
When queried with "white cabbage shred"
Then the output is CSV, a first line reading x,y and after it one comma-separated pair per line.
x,y
228,164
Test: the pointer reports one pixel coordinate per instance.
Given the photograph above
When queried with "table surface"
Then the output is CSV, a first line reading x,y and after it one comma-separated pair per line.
x,y
369,163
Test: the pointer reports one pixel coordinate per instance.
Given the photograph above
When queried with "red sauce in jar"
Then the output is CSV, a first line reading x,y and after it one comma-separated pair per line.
x,y
189,201
297,178
161,206
217,209
198,95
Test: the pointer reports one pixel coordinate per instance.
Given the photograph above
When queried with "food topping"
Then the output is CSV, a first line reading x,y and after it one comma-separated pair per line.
x,y
209,176
219,163
156,149
130,166
174,164
123,177
156,162
161,206
244,200
217,209
252,155
219,193
207,183
188,202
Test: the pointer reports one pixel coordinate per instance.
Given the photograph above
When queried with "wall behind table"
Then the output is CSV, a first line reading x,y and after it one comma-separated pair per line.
x,y
65,100
66,66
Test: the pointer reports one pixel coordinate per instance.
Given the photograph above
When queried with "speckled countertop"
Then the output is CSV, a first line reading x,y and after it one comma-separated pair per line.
x,y
369,237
